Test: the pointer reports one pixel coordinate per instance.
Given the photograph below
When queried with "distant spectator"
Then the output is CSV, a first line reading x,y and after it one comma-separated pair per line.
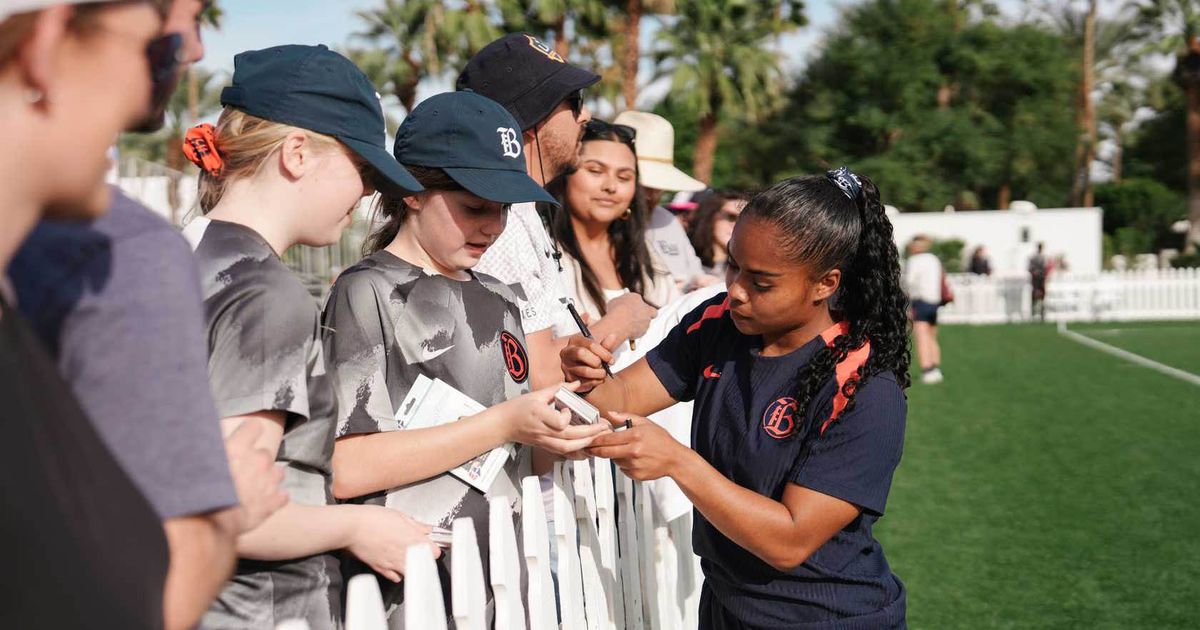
x,y
713,226
683,205
1038,270
981,264
923,279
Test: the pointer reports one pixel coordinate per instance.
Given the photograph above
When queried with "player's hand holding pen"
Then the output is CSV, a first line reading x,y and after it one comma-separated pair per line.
x,y
586,360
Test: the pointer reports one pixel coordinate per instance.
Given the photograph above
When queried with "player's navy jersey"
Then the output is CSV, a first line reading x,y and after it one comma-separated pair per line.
x,y
265,354
388,322
746,426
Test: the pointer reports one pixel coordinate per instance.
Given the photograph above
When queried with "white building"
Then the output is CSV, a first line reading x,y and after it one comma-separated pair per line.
x,y
1011,236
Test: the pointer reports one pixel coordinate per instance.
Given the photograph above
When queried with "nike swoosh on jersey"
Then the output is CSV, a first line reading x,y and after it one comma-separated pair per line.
x,y
709,372
429,355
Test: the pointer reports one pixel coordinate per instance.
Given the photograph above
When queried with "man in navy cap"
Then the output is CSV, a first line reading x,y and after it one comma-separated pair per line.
x,y
117,301
544,94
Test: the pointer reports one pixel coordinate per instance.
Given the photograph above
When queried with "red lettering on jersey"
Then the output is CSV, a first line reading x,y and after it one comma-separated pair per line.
x,y
709,372
515,358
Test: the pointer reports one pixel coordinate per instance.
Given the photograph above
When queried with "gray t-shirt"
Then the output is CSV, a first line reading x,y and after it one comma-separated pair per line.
x,y
388,322
264,354
117,301
670,241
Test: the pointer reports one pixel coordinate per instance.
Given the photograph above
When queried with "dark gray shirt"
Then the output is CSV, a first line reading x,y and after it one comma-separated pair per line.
x,y
264,354
388,322
117,300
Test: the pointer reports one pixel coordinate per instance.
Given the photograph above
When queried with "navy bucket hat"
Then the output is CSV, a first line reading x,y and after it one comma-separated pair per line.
x,y
314,88
475,141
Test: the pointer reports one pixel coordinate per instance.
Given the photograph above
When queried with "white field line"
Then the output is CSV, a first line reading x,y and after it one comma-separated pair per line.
x,y
1138,359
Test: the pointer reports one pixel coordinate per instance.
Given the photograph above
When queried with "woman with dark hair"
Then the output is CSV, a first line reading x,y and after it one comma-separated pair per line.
x,y
602,231
798,376
712,227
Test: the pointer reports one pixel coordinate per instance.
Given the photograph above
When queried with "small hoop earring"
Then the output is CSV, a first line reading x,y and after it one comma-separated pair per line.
x,y
628,213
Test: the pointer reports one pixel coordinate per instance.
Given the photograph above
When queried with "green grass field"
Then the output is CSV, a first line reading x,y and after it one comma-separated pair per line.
x,y
1049,485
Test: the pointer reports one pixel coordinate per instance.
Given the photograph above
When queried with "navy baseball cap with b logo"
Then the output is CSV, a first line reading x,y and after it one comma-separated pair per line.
x,y
475,141
526,76
314,88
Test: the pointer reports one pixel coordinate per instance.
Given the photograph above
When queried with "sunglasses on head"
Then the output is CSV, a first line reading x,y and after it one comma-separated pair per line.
x,y
624,133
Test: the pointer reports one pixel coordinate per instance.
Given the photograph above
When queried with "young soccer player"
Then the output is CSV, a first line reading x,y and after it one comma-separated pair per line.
x,y
798,376
300,142
413,307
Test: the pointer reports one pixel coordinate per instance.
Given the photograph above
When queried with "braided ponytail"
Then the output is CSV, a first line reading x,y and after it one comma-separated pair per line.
x,y
838,222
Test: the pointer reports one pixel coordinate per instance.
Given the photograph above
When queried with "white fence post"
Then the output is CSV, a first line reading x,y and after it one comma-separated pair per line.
x,y
599,616
606,518
570,589
364,604
468,597
503,564
423,605
631,566
540,593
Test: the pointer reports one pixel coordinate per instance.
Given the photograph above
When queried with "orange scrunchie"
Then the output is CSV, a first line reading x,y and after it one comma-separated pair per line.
x,y
200,146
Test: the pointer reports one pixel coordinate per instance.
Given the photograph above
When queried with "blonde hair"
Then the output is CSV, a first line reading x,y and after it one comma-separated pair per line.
x,y
245,143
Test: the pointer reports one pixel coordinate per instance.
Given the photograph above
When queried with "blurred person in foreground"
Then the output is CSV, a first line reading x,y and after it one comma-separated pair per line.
x,y
544,94
923,281
712,227
117,302
603,229
656,167
84,547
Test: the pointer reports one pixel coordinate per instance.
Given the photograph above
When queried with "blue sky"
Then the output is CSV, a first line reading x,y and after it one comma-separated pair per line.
x,y
251,24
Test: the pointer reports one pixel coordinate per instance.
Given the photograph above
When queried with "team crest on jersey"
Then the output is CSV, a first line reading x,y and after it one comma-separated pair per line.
x,y
779,420
537,45
510,143
515,358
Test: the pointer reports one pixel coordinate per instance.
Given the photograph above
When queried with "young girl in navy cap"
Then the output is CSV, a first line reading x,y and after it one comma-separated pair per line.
x,y
299,144
798,376
414,308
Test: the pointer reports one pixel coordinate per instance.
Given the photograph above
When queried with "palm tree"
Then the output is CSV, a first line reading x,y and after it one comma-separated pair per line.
x,y
409,40
1115,113
550,18
720,60
1173,26
629,42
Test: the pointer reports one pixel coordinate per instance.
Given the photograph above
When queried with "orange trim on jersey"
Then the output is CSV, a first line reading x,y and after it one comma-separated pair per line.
x,y
715,311
851,366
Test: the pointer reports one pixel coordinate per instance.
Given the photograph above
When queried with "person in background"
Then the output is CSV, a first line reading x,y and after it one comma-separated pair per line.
x,y
923,282
84,547
544,94
713,227
117,301
656,168
1039,268
683,205
299,144
603,229
981,264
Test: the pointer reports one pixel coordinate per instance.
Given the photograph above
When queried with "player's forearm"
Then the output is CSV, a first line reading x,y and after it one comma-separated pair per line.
x,y
298,530
368,463
544,365
202,557
758,524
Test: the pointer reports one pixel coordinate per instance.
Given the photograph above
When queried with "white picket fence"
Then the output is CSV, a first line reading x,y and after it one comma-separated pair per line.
x,y
619,565
1071,297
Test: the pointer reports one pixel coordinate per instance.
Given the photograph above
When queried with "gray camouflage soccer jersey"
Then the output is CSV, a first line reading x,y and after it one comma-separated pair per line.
x,y
264,354
386,323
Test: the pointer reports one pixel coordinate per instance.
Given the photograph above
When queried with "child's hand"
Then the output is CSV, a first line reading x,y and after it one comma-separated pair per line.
x,y
532,419
644,451
583,360
381,537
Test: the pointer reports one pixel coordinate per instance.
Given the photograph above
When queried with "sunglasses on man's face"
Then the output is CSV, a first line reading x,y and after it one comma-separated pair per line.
x,y
575,101
596,127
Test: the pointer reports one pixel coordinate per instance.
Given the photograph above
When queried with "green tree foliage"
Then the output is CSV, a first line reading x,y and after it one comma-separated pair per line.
x,y
938,106
720,56
1144,207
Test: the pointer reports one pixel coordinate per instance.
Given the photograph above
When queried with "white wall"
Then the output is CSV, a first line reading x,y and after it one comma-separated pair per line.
x,y
1073,232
